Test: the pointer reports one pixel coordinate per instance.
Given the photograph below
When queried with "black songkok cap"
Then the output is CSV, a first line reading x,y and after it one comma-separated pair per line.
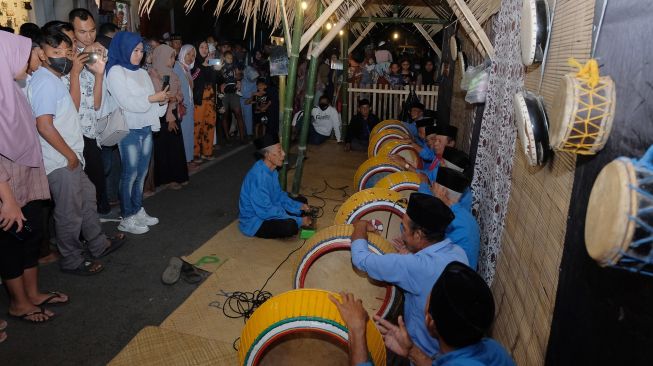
x,y
175,37
265,141
452,179
447,130
424,122
429,212
455,159
418,105
462,306
431,130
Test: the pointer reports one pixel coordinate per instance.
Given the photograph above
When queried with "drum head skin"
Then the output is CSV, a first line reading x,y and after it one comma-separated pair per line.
x,y
405,150
535,27
374,169
389,124
379,138
453,47
402,182
324,262
300,314
532,126
608,230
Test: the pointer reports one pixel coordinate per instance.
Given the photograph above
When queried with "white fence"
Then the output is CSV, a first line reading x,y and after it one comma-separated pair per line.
x,y
386,102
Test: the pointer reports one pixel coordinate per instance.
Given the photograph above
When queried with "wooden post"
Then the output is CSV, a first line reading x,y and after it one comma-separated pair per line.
x,y
290,89
344,55
316,27
308,107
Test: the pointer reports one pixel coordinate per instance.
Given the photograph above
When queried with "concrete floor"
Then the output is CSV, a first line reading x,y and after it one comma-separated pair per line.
x,y
107,310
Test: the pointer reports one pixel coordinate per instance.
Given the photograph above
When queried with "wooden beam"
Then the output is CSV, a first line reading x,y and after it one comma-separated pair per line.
x,y
472,27
286,27
319,22
428,38
334,31
398,20
361,37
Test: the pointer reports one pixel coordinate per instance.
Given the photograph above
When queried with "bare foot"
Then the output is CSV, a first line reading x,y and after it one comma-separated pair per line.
x,y
33,314
49,299
3,325
3,336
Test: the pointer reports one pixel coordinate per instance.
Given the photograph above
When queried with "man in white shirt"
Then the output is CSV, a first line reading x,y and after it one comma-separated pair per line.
x,y
85,87
62,144
325,119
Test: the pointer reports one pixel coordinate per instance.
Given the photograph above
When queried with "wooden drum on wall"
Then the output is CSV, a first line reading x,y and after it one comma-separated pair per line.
x,y
324,262
375,203
302,327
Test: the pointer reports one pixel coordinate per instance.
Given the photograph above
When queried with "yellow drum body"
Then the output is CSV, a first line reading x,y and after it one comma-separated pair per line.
x,y
375,203
404,183
389,124
324,262
398,147
372,170
301,327
582,115
378,139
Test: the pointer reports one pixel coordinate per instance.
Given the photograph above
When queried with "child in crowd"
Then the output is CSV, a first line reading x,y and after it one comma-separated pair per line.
x,y
261,104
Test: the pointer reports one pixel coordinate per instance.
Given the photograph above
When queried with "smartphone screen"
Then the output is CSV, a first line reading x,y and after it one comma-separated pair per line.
x,y
92,57
166,81
214,61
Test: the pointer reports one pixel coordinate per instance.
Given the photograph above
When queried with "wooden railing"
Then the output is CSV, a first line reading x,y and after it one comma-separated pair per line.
x,y
386,102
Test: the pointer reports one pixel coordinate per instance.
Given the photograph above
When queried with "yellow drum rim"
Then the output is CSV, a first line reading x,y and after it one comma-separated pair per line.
x,y
374,165
608,229
389,124
355,204
400,181
566,107
392,147
377,139
338,237
300,310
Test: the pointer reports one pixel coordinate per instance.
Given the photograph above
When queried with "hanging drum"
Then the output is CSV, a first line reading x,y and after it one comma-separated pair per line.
x,y
389,124
454,48
325,263
302,327
535,28
582,115
533,127
378,139
372,170
403,182
403,149
619,222
375,203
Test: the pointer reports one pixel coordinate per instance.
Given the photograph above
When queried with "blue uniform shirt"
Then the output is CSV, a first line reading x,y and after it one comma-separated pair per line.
x,y
261,198
430,174
427,154
415,274
487,352
464,231
412,129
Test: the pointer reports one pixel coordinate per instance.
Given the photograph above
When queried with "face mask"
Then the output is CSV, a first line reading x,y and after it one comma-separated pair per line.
x,y
61,65
324,106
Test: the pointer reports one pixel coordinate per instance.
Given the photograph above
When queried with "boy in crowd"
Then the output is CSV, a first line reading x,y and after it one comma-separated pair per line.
x,y
62,144
325,119
261,104
361,124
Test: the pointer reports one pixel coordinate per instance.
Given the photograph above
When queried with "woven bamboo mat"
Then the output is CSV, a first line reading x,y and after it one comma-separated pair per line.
x,y
156,346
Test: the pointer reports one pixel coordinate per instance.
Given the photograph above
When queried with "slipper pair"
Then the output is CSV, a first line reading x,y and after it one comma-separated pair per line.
x,y
116,241
179,269
53,295
32,313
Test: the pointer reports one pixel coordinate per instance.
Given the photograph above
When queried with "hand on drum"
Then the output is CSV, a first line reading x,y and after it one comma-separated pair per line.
x,y
352,311
365,225
395,337
399,246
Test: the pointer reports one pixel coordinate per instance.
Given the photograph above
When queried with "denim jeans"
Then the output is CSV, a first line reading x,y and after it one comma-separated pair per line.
x,y
112,168
135,154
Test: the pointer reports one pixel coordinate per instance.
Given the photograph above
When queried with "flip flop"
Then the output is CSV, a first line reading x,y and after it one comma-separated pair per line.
x,y
3,325
53,295
32,313
116,242
172,273
84,269
3,336
190,274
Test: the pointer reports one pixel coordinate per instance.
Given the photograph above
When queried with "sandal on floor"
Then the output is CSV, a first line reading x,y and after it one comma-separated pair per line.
x,y
117,240
53,295
190,274
85,269
172,273
3,336
32,313
3,325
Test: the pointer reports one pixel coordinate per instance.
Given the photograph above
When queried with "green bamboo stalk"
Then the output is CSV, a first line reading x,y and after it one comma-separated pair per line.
x,y
298,27
308,107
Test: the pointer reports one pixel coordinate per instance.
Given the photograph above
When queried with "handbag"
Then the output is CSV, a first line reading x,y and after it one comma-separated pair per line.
x,y
112,128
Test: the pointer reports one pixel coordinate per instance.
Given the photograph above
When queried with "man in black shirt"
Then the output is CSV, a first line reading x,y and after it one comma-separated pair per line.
x,y
358,133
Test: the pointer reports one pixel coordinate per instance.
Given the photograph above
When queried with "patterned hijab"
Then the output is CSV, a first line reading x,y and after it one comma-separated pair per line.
x,y
18,136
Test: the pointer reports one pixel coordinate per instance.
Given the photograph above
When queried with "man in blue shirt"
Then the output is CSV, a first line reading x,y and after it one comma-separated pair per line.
x,y
265,210
423,229
416,113
459,312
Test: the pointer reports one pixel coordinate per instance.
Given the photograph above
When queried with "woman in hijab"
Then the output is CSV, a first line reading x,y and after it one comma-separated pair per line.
x,y
185,111
23,184
133,91
169,157
204,77
428,75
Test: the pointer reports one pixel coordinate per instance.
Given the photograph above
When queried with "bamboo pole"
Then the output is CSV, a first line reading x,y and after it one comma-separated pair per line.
x,y
344,55
308,107
429,39
393,20
316,27
361,37
290,88
286,26
324,43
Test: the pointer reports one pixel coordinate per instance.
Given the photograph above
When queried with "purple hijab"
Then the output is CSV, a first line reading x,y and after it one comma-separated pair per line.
x,y
19,140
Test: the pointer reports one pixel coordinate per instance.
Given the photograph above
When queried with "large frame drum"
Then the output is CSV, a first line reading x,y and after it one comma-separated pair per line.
x,y
302,327
378,139
324,262
405,150
375,203
582,115
405,182
532,126
619,222
389,124
372,170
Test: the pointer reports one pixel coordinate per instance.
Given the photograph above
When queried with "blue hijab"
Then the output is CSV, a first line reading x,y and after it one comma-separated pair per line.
x,y
121,49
